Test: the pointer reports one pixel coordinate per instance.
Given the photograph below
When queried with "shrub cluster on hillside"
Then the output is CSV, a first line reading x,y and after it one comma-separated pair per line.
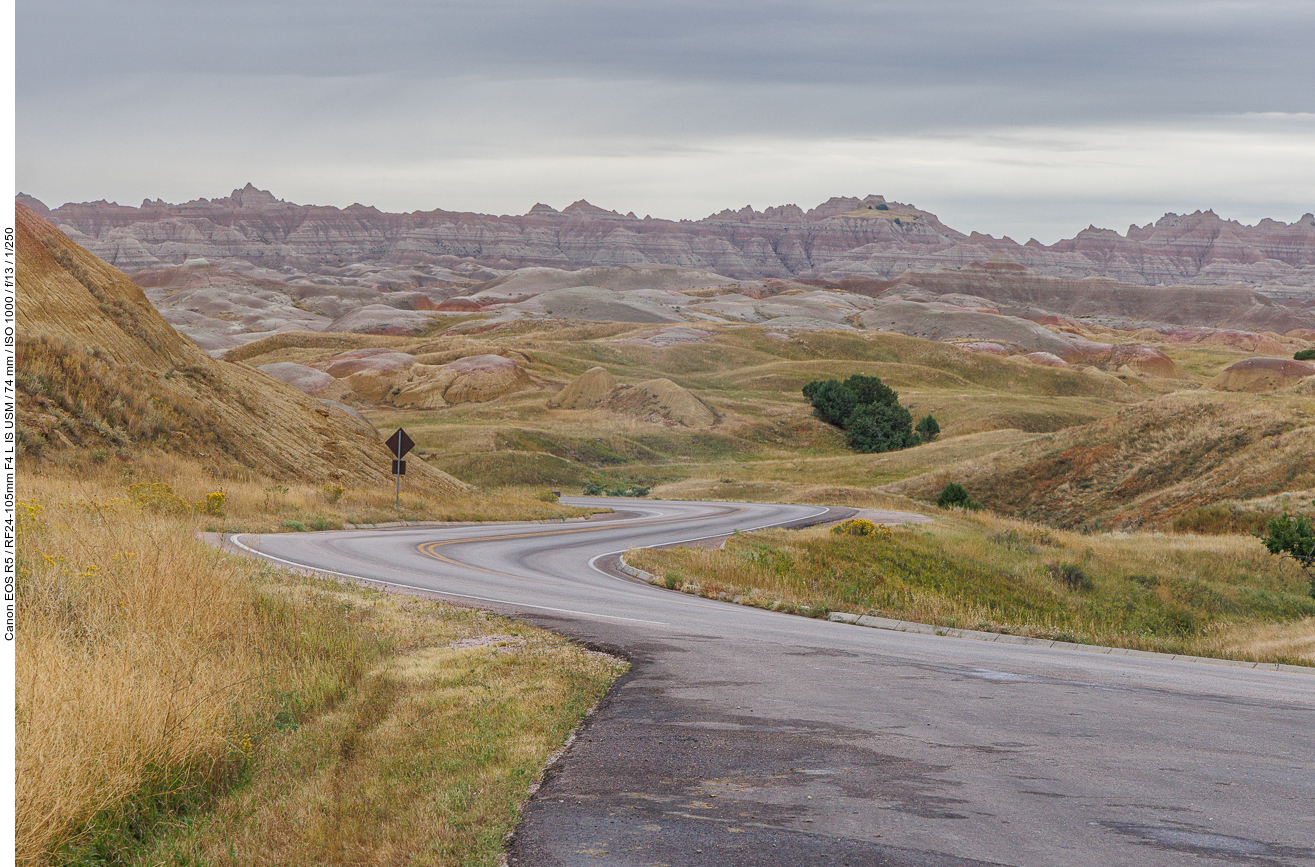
x,y
1305,355
1293,536
869,411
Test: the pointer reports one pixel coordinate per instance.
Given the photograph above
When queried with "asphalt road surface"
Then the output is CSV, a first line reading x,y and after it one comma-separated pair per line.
x,y
743,736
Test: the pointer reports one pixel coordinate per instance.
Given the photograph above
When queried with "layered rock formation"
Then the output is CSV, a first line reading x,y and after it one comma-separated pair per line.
x,y
400,379
253,265
1258,375
587,390
841,238
662,401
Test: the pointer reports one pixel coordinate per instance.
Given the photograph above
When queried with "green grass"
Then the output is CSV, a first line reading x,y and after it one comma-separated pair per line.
x,y
1166,594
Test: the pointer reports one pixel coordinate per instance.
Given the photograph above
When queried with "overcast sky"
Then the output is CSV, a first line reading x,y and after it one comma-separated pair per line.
x,y
1018,118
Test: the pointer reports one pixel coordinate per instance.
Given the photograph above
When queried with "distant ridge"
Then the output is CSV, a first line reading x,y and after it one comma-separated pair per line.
x,y
842,238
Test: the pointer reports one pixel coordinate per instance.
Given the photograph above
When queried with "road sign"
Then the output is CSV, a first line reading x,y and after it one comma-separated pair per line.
x,y
399,444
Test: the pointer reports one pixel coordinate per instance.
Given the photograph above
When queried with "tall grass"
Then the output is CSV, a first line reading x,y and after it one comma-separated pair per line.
x,y
149,667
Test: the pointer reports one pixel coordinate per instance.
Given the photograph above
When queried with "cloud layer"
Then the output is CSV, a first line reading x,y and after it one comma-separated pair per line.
x,y
1027,118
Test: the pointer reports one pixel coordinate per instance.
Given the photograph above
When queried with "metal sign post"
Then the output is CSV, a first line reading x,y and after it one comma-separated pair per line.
x,y
399,444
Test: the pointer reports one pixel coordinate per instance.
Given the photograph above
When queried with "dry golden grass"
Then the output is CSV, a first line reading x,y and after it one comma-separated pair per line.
x,y
155,673
1207,595
427,762
255,504
1147,464
1293,641
149,664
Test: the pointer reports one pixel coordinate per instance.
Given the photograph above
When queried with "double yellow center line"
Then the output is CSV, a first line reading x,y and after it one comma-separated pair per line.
x,y
429,549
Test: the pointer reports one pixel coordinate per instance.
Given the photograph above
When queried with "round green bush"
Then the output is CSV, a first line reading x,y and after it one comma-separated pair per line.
x,y
953,495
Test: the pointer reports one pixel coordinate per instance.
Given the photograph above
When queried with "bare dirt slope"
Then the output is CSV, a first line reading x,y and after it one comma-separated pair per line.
x,y
99,366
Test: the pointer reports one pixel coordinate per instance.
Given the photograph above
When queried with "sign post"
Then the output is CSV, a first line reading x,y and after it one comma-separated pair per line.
x,y
399,444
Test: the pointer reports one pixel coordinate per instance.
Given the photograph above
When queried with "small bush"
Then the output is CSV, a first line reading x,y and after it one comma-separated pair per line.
x,y
1293,536
331,493
954,495
928,429
213,504
1305,355
294,526
158,497
546,497
1070,575
855,527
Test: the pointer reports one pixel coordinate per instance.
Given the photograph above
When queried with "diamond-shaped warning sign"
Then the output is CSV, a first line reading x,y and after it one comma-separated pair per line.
x,y
399,443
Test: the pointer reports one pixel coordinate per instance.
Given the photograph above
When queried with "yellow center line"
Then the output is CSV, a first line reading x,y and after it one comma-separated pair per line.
x,y
427,548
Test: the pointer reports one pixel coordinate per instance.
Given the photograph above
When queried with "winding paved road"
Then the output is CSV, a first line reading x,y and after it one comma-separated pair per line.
x,y
744,737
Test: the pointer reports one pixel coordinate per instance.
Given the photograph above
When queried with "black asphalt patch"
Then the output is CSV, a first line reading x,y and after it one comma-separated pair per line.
x,y
652,780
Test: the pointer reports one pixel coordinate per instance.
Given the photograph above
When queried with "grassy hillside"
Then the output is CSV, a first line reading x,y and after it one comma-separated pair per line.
x,y
750,380
101,370
1147,464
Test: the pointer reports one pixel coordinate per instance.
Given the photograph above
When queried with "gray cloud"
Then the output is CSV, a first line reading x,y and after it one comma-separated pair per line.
x,y
116,95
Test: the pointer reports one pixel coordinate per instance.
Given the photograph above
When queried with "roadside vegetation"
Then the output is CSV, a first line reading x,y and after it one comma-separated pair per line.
x,y
234,500
179,705
1224,596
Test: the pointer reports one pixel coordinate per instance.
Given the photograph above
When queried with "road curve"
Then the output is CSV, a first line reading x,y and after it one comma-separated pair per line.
x,y
743,736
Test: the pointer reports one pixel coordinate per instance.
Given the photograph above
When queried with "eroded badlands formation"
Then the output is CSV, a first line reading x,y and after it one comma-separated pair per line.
x,y
841,238
230,270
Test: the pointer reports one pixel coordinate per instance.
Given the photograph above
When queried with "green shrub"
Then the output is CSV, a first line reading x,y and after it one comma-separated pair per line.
x,y
1293,536
1305,355
880,428
832,402
1071,576
870,389
928,429
954,495
621,489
